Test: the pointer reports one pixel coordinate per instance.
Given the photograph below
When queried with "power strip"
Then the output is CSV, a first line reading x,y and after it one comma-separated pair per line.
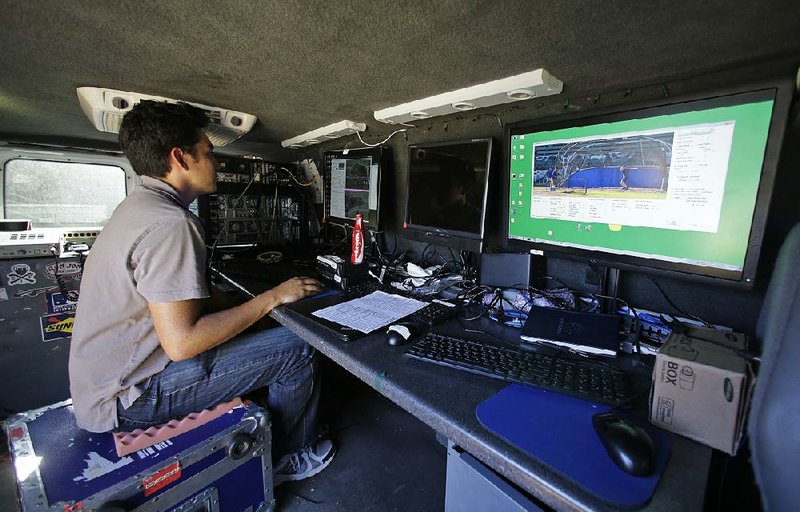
x,y
80,236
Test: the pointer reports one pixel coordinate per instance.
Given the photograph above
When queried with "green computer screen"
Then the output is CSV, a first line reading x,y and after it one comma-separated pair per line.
x,y
675,185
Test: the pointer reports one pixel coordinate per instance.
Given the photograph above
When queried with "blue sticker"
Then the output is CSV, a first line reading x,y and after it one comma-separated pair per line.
x,y
58,303
57,326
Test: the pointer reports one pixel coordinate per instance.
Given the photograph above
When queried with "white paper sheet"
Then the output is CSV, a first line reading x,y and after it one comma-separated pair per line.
x,y
373,311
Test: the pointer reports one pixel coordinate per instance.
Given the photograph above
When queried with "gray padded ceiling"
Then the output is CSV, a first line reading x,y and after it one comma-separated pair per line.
x,y
299,65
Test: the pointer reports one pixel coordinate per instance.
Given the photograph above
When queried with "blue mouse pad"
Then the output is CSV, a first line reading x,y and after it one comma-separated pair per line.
x,y
557,430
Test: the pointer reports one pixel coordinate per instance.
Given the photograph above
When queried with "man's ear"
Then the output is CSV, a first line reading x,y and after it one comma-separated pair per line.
x,y
177,158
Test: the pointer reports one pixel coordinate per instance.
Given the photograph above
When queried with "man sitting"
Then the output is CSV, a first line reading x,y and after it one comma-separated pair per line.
x,y
147,346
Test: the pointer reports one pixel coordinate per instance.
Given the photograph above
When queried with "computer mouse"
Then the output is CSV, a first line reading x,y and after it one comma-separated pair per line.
x,y
628,445
400,334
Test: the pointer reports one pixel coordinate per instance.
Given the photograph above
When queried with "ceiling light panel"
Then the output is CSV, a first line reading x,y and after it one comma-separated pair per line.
x,y
533,84
332,131
105,108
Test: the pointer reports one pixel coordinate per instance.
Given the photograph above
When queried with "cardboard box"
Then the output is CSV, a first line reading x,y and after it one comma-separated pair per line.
x,y
701,389
731,339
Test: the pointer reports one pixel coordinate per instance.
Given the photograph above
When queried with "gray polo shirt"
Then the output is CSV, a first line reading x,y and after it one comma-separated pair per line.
x,y
151,250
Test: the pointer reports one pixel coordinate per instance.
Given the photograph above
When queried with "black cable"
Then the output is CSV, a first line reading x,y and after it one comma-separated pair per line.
x,y
424,255
557,302
61,286
444,260
630,399
676,308
453,260
484,308
376,243
637,329
325,248
342,241
301,192
551,278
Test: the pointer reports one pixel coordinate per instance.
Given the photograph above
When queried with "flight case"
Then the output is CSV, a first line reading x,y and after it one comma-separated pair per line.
x,y
223,465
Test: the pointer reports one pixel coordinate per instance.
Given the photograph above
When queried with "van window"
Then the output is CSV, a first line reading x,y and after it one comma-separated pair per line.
x,y
62,194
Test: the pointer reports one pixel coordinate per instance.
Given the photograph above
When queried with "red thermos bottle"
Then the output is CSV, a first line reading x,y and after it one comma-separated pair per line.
x,y
357,256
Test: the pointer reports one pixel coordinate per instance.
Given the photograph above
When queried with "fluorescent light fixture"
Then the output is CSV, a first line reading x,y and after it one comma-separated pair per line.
x,y
332,131
105,108
537,83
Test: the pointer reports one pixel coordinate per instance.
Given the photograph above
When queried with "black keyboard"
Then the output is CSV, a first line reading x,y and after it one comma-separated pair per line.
x,y
431,314
362,289
435,312
582,379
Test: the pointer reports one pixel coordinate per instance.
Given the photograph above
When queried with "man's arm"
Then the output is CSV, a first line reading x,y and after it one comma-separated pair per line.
x,y
219,300
185,332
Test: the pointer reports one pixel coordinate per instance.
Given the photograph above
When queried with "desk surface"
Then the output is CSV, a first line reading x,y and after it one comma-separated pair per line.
x,y
446,399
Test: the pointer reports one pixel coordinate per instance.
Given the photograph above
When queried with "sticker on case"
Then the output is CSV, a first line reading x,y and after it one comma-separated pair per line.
x,y
57,326
57,302
161,478
21,274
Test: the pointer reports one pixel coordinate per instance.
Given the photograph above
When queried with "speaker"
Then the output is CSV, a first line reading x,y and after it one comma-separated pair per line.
x,y
506,270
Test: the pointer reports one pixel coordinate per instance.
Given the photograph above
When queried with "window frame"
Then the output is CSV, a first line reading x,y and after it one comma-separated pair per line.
x,y
118,160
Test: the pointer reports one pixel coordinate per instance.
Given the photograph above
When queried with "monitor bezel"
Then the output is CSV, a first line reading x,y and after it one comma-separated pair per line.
x,y
459,240
780,90
379,154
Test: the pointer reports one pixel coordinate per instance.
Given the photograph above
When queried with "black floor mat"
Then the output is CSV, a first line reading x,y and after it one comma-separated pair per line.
x,y
387,460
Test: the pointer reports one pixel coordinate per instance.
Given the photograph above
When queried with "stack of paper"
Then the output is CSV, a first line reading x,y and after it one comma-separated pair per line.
x,y
373,311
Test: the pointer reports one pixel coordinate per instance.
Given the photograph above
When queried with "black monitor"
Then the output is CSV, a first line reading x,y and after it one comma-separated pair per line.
x,y
446,193
680,186
352,185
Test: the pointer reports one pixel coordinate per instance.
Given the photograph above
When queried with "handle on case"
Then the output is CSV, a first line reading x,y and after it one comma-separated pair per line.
x,y
239,446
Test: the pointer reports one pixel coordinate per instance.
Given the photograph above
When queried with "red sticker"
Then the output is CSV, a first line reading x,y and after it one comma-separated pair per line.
x,y
16,433
161,478
73,507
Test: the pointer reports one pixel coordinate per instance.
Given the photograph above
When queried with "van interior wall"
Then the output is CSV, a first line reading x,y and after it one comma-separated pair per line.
x,y
733,307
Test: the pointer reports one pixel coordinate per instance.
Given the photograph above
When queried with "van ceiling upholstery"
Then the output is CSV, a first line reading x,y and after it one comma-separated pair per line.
x,y
299,65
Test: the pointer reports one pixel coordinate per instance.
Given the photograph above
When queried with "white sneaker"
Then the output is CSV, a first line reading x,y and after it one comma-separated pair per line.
x,y
304,463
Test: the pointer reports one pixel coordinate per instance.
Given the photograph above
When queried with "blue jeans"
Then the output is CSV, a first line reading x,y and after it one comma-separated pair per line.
x,y
274,359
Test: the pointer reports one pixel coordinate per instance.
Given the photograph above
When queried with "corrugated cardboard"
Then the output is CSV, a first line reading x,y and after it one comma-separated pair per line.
x,y
701,388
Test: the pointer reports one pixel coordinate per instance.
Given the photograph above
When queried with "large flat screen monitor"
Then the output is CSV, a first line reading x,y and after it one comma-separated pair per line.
x,y
682,187
446,193
352,185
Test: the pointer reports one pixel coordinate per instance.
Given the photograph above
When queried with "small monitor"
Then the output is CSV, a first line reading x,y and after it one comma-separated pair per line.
x,y
681,187
352,185
446,193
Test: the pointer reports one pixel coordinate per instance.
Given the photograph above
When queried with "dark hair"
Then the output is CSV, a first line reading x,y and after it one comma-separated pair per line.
x,y
151,129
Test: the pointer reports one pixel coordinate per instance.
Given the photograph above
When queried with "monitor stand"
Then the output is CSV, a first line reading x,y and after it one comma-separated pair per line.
x,y
611,288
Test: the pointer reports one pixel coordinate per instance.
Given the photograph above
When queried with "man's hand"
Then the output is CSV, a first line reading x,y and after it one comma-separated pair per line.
x,y
295,289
